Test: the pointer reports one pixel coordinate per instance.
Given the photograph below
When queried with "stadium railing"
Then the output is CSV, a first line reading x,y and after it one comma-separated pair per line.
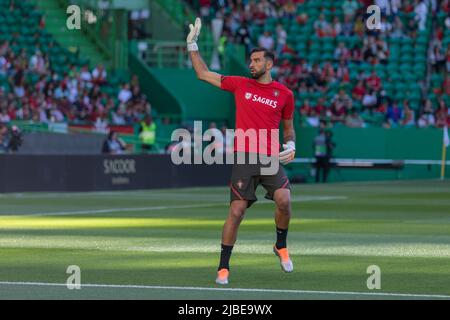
x,y
168,54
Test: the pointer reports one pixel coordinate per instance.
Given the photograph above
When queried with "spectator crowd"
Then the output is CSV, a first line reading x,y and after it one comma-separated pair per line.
x,y
359,99
31,90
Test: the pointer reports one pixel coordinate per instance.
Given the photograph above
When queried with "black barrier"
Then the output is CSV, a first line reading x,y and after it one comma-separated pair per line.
x,y
34,173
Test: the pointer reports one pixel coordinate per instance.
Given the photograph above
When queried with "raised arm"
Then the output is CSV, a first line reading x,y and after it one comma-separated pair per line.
x,y
200,67
202,71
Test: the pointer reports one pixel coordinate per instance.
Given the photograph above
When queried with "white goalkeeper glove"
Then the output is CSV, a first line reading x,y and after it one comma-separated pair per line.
x,y
288,155
193,35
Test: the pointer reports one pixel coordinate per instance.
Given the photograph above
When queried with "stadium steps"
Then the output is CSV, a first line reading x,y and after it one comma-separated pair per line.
x,y
73,40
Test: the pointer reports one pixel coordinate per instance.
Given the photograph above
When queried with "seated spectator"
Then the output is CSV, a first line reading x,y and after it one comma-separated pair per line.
x,y
118,117
113,145
4,116
266,41
205,6
302,19
421,11
322,27
56,115
342,52
336,28
347,26
408,118
281,39
86,76
342,72
313,119
99,75
359,91
37,63
370,100
338,113
306,108
397,29
125,93
394,113
369,49
437,59
350,7
441,115
354,120
373,82
342,99
357,55
384,6
382,51
259,15
101,124
385,26
289,9
328,73
321,107
359,27
446,84
427,118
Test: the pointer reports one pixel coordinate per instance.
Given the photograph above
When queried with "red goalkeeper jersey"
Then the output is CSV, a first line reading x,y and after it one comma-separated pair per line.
x,y
259,106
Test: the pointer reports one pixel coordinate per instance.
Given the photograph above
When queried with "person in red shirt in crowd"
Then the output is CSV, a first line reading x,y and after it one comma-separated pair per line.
x,y
374,81
328,72
446,85
359,91
261,104
442,117
205,6
321,107
306,108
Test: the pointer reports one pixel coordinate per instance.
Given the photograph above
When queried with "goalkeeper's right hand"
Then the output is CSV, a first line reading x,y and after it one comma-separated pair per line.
x,y
193,35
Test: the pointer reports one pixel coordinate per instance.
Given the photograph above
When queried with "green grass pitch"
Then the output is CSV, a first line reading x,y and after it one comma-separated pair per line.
x,y
164,244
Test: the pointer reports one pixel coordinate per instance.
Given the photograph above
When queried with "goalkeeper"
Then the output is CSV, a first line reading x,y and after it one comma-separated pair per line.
x,y
261,105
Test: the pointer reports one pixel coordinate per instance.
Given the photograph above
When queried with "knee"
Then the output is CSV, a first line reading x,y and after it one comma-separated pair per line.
x,y
237,214
284,205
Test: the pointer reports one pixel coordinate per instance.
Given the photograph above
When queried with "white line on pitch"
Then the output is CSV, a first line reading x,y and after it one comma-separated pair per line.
x,y
69,213
405,295
112,210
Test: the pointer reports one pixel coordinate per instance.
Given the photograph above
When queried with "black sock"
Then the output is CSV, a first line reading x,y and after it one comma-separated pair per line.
x,y
225,256
281,238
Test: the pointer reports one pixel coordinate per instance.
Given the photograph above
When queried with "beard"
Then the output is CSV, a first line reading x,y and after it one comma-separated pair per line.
x,y
259,74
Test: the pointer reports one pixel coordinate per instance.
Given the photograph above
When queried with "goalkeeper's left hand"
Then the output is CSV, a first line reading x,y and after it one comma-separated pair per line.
x,y
288,155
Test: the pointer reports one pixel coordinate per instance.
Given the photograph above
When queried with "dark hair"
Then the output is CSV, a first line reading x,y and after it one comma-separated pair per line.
x,y
267,53
110,134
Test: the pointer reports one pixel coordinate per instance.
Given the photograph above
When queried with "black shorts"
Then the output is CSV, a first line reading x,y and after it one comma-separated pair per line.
x,y
245,179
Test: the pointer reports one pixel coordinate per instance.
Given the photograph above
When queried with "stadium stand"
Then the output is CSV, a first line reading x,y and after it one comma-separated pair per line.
x,y
340,71
42,81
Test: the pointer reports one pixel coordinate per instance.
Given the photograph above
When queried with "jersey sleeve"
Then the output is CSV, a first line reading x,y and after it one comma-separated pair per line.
x,y
231,83
288,110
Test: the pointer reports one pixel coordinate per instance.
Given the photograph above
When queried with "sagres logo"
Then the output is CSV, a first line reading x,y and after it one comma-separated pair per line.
x,y
248,96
